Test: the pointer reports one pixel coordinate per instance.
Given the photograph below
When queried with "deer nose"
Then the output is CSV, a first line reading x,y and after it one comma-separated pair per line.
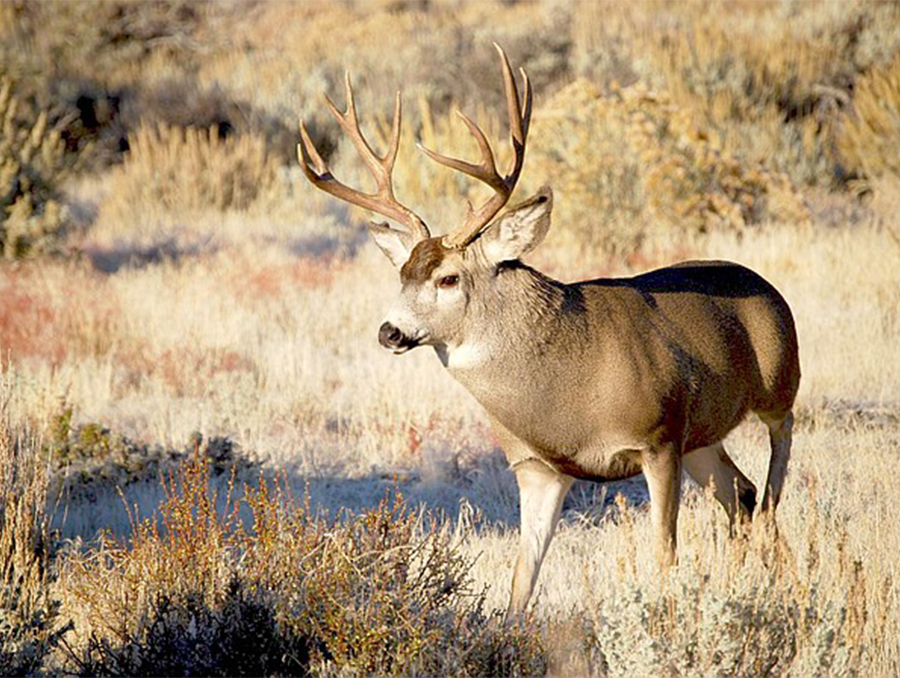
x,y
389,336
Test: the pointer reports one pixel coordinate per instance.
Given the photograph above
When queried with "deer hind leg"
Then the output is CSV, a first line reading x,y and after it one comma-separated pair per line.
x,y
662,469
780,443
541,494
733,489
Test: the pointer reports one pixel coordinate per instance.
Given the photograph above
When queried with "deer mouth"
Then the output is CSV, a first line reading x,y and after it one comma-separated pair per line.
x,y
394,339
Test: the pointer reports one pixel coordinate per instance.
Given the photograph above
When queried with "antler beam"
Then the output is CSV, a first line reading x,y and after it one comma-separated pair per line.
x,y
382,201
486,170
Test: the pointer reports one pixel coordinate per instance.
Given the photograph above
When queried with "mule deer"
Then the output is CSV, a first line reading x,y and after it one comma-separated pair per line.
x,y
599,380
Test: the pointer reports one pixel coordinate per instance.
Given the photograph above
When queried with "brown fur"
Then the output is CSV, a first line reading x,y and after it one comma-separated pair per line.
x,y
610,365
599,379
425,257
607,378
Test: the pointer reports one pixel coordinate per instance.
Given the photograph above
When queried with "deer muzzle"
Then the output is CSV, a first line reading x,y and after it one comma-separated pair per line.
x,y
392,337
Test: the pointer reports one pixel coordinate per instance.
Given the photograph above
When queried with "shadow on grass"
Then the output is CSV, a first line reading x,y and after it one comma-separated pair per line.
x,y
483,495
111,260
345,242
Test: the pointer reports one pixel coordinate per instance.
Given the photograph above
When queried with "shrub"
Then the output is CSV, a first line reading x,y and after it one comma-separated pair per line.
x,y
240,637
31,165
112,37
376,594
199,592
766,81
87,457
633,162
747,606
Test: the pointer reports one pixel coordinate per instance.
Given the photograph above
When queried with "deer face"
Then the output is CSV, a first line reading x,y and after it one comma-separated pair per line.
x,y
447,292
440,277
436,285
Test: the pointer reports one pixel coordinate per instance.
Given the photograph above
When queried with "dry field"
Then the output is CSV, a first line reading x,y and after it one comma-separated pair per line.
x,y
209,466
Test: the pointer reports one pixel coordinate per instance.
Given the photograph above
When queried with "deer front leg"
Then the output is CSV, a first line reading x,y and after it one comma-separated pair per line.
x,y
541,494
662,469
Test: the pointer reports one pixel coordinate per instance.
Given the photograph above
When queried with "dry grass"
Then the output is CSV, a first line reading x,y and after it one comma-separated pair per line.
x,y
185,170
28,610
824,606
342,414
198,592
871,132
208,289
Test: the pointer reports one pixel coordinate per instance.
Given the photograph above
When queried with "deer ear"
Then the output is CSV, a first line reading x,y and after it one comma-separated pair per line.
x,y
519,230
396,245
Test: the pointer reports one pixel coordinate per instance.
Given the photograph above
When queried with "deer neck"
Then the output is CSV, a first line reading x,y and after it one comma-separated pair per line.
x,y
521,320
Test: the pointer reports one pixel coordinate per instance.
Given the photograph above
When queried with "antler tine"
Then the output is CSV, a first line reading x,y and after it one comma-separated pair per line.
x,y
394,146
307,151
349,122
382,201
486,170
526,117
512,99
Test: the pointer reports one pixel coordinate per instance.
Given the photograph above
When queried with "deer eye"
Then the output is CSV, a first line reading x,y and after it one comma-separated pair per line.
x,y
448,281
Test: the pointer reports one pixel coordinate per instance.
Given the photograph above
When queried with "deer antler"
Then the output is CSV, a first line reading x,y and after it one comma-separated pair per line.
x,y
486,170
382,201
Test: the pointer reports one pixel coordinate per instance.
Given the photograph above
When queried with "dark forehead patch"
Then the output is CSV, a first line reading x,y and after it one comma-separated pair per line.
x,y
426,256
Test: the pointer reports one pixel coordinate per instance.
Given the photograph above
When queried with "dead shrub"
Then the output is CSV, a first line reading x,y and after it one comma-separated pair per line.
x,y
29,628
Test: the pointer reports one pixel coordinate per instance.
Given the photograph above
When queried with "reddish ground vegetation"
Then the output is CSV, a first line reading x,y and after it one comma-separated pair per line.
x,y
185,370
53,313
28,318
269,281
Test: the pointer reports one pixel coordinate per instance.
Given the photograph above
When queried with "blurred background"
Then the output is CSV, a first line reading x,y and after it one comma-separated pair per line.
x,y
120,118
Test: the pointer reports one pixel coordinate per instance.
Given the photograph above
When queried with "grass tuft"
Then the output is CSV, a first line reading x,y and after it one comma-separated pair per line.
x,y
29,613
182,170
870,133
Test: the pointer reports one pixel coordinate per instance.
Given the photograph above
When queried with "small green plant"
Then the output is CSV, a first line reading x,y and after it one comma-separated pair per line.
x,y
86,457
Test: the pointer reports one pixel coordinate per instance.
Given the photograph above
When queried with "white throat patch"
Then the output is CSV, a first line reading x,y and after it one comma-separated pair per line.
x,y
464,357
